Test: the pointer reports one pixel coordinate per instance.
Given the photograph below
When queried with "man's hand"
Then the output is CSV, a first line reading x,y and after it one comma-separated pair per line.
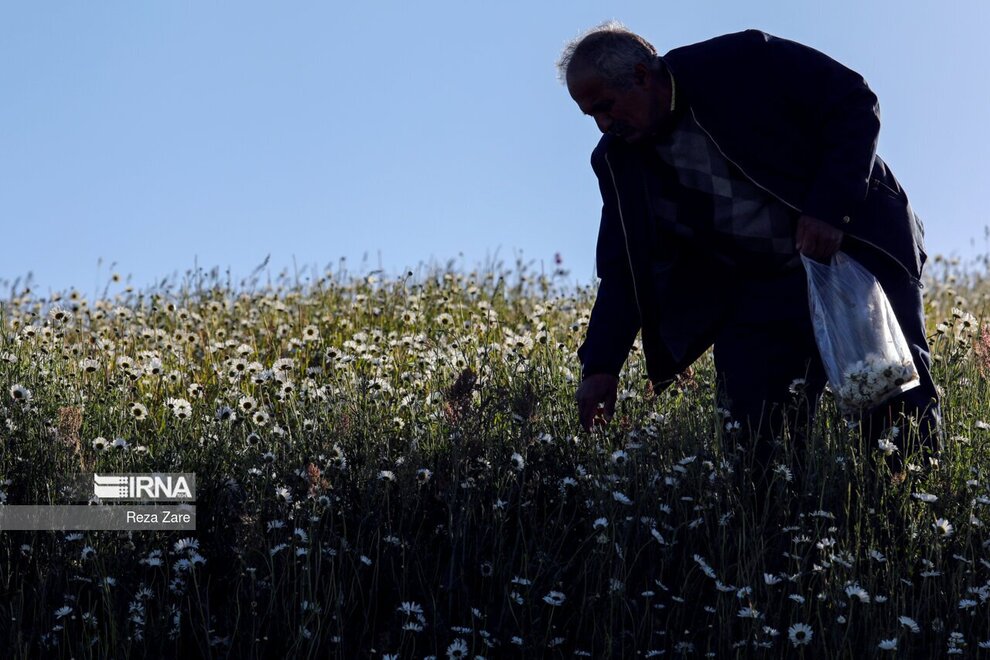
x,y
596,389
817,239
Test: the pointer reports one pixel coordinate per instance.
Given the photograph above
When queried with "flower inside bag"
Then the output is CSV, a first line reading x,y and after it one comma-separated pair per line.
x,y
866,358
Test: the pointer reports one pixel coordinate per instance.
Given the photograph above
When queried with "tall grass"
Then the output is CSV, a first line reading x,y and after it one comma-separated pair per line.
x,y
393,467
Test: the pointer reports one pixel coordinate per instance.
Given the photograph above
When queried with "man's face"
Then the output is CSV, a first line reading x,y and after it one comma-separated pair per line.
x,y
630,114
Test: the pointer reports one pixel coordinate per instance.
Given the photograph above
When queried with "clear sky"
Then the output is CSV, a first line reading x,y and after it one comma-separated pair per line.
x,y
164,134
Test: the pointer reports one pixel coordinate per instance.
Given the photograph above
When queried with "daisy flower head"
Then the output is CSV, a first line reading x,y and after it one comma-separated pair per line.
x,y
138,411
887,447
337,457
20,394
858,592
282,366
800,634
706,568
411,608
621,497
183,544
888,644
89,365
554,598
943,528
909,623
181,408
58,315
225,414
236,368
154,367
457,649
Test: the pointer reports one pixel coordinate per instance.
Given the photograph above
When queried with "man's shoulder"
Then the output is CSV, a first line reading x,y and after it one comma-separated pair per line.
x,y
735,51
722,43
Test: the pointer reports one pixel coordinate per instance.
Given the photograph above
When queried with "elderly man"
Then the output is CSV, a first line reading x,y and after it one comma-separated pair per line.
x,y
720,164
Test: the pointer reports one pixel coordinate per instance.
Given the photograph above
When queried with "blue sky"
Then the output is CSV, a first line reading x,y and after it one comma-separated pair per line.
x,y
161,135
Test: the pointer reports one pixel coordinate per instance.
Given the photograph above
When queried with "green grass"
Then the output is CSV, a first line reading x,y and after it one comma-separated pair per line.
x,y
418,485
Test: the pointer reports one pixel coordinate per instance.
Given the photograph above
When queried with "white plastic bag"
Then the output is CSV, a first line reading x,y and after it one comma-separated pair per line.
x,y
866,358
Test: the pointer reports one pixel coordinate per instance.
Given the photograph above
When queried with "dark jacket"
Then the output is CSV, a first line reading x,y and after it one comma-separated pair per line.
x,y
798,124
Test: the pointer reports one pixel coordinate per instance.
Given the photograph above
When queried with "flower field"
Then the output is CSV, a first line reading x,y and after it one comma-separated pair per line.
x,y
393,468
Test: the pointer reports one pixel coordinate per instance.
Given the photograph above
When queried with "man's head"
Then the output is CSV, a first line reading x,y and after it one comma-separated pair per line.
x,y
615,76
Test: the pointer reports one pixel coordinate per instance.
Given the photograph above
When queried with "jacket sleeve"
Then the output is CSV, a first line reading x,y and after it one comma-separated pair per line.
x,y
840,109
615,318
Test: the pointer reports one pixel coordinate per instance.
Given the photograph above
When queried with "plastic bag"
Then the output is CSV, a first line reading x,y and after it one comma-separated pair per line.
x,y
866,358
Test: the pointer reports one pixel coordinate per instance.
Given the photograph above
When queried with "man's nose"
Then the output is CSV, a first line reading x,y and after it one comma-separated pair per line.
x,y
604,123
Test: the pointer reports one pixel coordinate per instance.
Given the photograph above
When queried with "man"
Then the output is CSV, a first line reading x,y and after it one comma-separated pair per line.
x,y
721,163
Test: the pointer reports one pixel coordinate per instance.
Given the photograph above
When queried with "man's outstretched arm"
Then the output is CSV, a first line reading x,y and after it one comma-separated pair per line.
x,y
611,332
615,317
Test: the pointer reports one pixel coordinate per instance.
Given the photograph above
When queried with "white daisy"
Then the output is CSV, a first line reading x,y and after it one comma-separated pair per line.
x,y
20,394
856,591
457,649
620,497
943,528
909,623
800,634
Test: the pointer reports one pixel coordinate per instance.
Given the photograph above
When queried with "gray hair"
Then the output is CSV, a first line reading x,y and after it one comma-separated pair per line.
x,y
611,50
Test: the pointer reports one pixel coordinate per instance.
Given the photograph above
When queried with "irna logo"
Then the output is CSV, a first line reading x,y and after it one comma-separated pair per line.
x,y
167,487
